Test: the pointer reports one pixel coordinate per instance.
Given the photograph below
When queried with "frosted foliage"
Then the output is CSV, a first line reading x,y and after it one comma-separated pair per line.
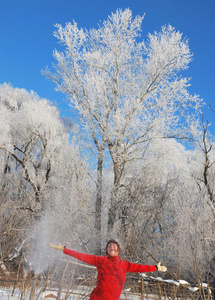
x,y
4,126
187,228
128,91
32,134
160,153
194,225
162,57
30,112
164,202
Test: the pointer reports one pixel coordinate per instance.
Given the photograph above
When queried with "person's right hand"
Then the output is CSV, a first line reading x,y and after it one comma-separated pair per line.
x,y
57,247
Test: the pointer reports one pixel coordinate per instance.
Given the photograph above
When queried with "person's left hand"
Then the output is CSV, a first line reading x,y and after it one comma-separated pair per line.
x,y
161,268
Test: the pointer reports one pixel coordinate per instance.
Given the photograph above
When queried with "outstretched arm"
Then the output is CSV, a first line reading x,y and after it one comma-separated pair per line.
x,y
137,268
87,258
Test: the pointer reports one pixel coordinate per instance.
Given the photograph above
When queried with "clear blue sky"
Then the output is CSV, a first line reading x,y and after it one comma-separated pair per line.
x,y
27,41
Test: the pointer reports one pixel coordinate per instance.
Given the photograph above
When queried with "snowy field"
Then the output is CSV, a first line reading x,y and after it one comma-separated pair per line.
x,y
82,292
6,295
77,295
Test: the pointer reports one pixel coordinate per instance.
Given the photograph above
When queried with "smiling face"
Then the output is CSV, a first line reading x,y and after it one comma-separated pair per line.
x,y
112,249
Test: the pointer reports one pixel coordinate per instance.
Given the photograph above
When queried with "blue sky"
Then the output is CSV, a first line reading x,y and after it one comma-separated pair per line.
x,y
27,41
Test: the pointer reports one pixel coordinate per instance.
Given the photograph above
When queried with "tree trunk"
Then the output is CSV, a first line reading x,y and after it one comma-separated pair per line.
x,y
206,150
112,213
98,205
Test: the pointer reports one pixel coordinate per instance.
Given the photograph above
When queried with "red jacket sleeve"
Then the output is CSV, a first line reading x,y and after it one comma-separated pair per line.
x,y
137,268
87,258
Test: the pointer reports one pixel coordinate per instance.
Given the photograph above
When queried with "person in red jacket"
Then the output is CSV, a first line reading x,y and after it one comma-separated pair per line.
x,y
111,270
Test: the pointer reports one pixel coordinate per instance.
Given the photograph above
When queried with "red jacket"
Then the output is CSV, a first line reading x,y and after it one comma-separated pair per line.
x,y
111,273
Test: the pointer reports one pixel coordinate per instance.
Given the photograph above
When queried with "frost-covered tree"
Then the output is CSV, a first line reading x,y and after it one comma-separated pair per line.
x,y
42,174
167,215
128,91
203,172
32,131
206,180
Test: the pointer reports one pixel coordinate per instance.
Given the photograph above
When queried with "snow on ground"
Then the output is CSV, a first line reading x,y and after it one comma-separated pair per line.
x,y
82,292
177,283
5,294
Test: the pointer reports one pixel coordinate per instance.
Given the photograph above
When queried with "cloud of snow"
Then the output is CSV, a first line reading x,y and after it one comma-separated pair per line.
x,y
40,255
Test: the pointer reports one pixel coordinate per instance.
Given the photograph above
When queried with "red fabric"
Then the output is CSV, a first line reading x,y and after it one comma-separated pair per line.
x,y
111,273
